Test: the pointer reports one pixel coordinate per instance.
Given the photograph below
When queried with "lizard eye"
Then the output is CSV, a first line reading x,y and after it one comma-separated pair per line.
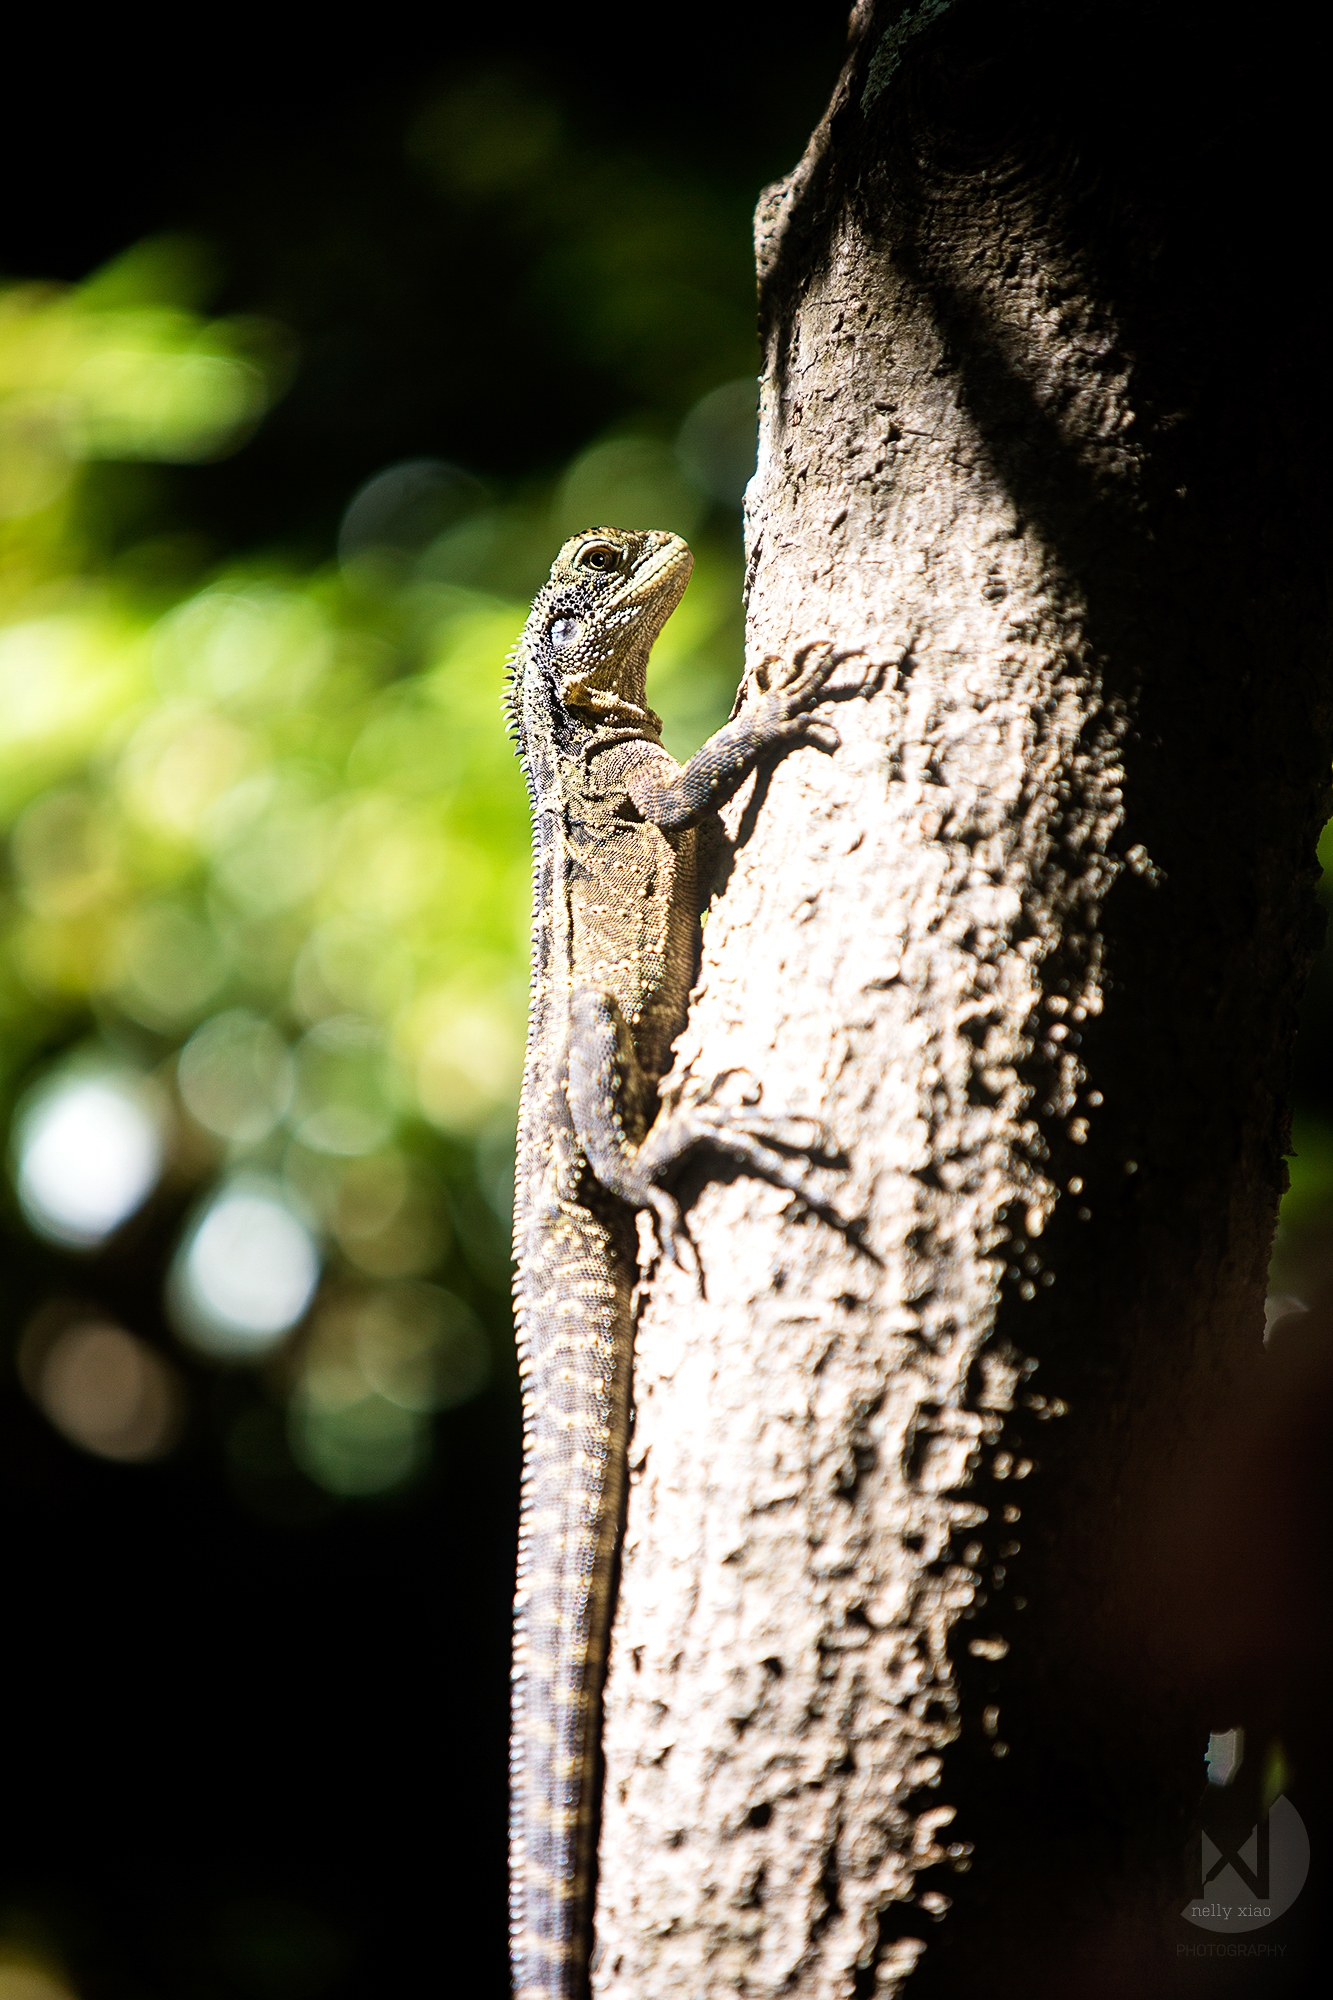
x,y
598,555
565,632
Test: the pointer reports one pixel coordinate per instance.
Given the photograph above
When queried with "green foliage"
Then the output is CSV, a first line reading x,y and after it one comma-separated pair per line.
x,y
268,840
1309,1197
121,367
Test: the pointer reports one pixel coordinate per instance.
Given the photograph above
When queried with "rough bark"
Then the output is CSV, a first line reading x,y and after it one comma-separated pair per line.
x,y
891,1631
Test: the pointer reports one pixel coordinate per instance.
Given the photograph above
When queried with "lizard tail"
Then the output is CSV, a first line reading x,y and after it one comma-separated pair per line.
x,y
574,1346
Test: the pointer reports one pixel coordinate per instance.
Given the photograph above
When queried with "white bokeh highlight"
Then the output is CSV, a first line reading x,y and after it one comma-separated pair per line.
x,y
89,1153
244,1274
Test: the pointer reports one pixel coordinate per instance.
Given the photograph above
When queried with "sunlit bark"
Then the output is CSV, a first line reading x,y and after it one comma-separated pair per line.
x,y
1030,945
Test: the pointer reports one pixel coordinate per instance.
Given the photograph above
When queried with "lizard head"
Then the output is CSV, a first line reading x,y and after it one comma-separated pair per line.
x,y
583,660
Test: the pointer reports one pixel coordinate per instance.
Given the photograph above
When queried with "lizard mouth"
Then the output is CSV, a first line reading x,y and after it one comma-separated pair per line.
x,y
658,578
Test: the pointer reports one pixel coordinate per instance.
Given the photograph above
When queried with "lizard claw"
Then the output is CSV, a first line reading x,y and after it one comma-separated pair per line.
x,y
797,683
795,686
818,734
791,1131
673,1239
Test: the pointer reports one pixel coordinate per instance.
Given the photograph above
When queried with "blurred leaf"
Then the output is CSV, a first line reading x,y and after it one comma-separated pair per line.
x,y
116,370
175,269
1309,1198
267,834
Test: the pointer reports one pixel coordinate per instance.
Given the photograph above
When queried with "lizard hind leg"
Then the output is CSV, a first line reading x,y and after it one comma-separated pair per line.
x,y
632,1155
612,1101
774,1149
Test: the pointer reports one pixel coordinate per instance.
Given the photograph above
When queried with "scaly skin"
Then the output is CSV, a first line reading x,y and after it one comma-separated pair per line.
x,y
615,934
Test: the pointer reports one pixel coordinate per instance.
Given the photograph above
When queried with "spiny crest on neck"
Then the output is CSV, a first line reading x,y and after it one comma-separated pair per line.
x,y
581,661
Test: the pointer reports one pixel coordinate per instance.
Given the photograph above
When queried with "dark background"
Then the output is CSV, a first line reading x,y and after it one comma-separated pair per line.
x,y
261,1752
430,314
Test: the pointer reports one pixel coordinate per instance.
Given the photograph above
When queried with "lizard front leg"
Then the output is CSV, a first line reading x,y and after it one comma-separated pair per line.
x,y
673,798
611,1100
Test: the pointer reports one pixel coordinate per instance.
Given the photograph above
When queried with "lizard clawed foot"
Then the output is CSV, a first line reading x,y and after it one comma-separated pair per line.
x,y
784,1132
793,688
762,1144
796,684
673,1238
818,734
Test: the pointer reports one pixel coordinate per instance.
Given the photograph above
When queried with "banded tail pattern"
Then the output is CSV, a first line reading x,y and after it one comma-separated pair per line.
x,y
573,1284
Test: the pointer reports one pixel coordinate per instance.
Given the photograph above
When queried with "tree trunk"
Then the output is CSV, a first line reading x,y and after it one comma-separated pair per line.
x,y
895,1627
